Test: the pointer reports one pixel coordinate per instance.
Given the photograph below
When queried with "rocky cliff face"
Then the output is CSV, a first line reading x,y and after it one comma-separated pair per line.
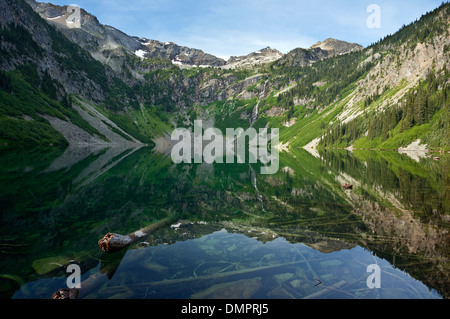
x,y
105,43
91,35
406,64
179,55
29,41
100,39
400,70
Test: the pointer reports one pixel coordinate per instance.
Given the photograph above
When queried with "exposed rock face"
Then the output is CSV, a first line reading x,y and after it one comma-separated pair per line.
x,y
180,55
43,54
319,51
100,39
336,47
92,35
189,57
407,63
106,44
262,56
225,88
302,57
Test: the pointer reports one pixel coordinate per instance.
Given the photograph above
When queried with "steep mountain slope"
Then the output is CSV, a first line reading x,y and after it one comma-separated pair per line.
x,y
116,88
406,73
97,80
67,82
36,78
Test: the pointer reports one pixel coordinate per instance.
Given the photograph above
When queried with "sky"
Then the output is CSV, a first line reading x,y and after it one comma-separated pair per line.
x,y
237,27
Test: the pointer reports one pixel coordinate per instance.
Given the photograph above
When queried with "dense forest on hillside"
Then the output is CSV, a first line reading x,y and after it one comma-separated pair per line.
x,y
430,100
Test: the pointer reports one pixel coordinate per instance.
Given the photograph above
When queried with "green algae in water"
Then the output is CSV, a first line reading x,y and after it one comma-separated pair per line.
x,y
48,264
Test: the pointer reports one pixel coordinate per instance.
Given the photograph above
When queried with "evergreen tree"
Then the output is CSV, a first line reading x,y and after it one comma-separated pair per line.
x,y
5,82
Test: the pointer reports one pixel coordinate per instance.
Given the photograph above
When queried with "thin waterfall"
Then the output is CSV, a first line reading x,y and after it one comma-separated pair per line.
x,y
254,115
253,118
255,186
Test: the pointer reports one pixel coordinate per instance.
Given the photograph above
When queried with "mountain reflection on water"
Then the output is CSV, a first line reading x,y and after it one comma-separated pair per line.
x,y
238,234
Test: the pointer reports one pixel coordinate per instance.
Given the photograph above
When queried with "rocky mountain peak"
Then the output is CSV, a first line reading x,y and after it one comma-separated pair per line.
x,y
179,55
321,50
262,56
97,38
90,34
336,47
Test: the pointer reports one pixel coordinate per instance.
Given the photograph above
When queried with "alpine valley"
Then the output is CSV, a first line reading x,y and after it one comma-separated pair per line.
x,y
95,84
86,114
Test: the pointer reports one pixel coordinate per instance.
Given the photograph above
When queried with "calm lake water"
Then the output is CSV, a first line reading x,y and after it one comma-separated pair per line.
x,y
233,234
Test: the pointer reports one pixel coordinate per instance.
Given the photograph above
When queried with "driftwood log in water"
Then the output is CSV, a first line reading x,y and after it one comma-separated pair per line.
x,y
86,287
207,280
109,263
108,266
66,293
112,242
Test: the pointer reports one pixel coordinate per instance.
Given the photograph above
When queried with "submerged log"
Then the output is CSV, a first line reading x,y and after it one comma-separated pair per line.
x,y
85,288
66,293
109,263
208,280
112,242
325,289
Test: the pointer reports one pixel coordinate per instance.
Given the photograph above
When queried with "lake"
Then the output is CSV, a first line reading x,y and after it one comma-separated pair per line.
x,y
231,232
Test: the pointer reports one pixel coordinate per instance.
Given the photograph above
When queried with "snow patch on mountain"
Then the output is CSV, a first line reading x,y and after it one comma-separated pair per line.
x,y
140,53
